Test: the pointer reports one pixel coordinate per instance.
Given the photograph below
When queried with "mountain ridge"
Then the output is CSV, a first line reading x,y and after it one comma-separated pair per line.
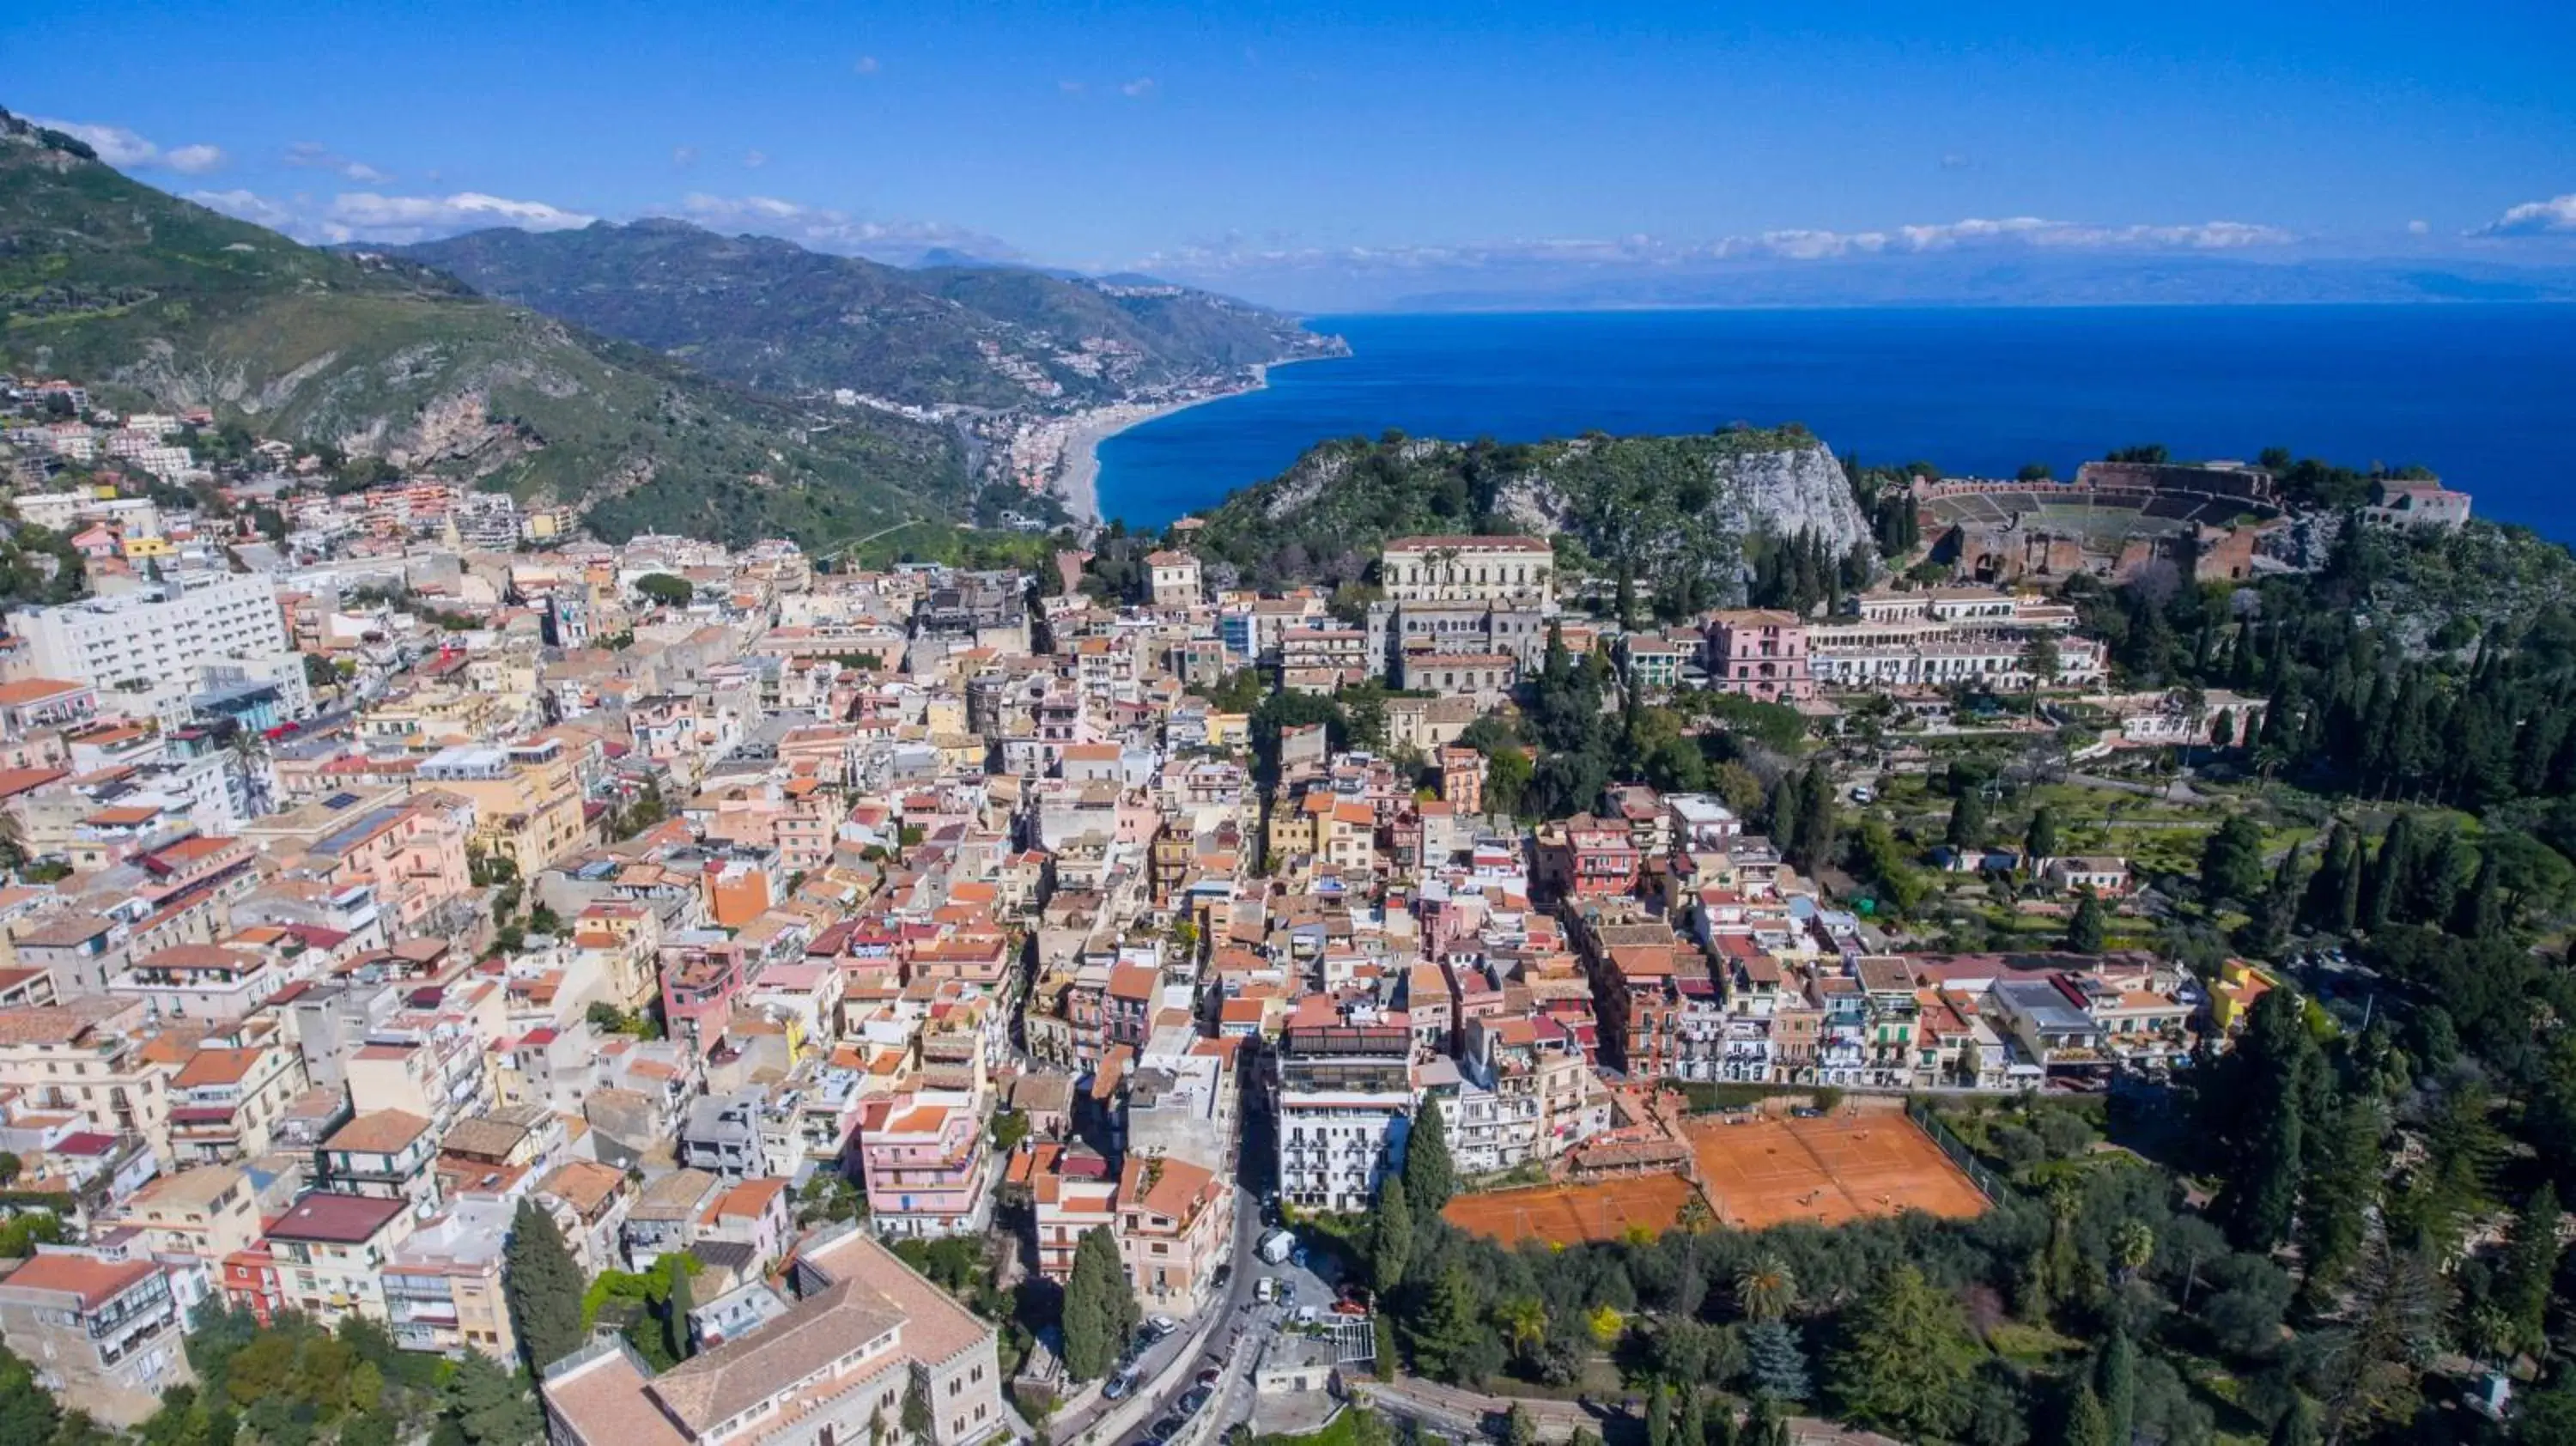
x,y
773,315
152,299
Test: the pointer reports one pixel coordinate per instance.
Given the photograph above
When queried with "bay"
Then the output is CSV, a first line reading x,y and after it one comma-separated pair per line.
x,y
2483,394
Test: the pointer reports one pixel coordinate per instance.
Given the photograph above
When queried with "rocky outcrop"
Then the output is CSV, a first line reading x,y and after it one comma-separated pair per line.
x,y
1663,508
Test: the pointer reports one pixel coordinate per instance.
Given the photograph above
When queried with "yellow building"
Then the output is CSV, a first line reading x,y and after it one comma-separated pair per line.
x,y
527,799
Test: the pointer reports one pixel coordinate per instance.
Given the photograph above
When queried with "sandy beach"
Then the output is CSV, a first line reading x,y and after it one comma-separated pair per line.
x,y
1077,476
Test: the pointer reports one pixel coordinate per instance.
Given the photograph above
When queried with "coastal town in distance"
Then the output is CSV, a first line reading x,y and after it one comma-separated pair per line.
x,y
588,860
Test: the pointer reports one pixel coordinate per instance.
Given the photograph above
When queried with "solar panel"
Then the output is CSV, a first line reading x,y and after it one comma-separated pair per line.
x,y
340,800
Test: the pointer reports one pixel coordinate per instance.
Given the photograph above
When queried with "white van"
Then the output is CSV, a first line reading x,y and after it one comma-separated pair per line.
x,y
1277,1246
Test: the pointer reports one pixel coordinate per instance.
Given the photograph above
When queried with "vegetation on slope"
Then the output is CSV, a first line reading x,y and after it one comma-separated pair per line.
x,y
1672,520
156,301
769,314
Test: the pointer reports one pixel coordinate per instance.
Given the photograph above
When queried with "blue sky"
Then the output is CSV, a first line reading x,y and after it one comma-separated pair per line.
x,y
1204,139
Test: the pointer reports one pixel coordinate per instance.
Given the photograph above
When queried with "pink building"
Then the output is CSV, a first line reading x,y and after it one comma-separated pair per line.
x,y
922,1157
1760,653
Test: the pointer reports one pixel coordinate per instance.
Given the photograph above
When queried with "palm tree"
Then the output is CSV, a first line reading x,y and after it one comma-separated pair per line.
x,y
1765,1290
1524,1321
2133,1245
1694,1218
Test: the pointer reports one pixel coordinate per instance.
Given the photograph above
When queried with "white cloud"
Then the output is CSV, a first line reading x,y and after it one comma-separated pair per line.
x,y
1139,88
824,229
1796,244
315,156
193,160
387,220
247,206
2553,217
1071,87
396,220
867,65
754,160
128,151
684,156
2418,228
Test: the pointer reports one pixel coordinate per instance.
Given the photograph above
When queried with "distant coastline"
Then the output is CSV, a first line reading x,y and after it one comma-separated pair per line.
x,y
2472,392
1077,479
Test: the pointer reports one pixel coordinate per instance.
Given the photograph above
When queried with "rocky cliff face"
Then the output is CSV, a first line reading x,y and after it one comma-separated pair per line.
x,y
1665,508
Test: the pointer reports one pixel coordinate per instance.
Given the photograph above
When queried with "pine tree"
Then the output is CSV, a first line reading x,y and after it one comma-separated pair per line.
x,y
2298,1424
1907,1358
2260,1127
2342,1190
543,1287
1099,1306
1659,1416
1390,1236
1430,1178
1775,1365
2530,1267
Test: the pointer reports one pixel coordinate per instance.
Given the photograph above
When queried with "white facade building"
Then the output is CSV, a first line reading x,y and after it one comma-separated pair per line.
x,y
136,641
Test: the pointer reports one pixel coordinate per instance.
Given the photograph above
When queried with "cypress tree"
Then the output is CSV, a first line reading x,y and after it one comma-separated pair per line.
x,y
1967,820
2435,888
1099,1307
1390,1236
543,1287
2116,1377
2383,899
2040,842
2084,932
1430,1177
675,1311
2480,912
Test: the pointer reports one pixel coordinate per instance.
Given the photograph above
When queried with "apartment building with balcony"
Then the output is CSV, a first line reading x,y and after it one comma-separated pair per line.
x,y
1175,1226
86,1056
329,1252
102,1334
383,1154
923,1157
442,1287
225,1100
1346,1099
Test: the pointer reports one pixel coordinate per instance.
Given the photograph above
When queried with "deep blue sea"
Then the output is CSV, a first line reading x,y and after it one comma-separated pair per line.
x,y
2483,394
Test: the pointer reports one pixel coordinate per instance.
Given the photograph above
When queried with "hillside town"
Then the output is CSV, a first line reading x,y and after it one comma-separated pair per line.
x,y
392,865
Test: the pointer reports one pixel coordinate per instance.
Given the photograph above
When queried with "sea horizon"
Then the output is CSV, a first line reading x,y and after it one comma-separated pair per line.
x,y
2472,390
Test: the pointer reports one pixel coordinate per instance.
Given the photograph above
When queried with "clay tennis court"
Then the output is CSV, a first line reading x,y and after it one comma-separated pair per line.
x,y
1565,1214
1771,1171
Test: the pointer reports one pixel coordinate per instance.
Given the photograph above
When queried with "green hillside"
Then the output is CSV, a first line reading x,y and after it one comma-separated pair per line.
x,y
1675,515
153,300
769,314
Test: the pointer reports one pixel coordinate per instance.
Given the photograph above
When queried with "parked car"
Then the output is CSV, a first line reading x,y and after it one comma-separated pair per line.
x,y
1120,1384
1211,1376
1266,1289
1167,1427
1196,1397
1161,1326
1224,1273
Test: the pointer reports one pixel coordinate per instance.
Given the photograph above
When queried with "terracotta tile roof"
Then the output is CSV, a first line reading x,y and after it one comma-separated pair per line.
x,y
93,1281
